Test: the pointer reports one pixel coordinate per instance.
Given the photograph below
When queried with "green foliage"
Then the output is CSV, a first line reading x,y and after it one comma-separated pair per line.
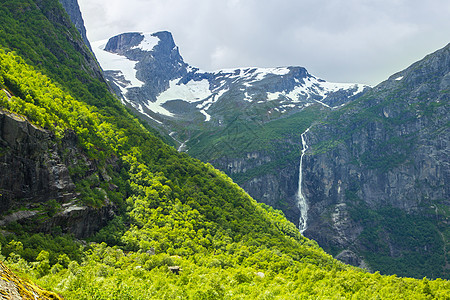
x,y
110,273
242,136
175,210
41,33
29,246
401,243
186,212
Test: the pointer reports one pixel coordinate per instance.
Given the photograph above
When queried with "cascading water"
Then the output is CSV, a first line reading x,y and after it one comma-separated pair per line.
x,y
302,204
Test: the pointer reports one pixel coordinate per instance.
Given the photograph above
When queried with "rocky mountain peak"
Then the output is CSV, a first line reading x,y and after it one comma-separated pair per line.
x,y
163,88
167,42
160,44
418,73
124,42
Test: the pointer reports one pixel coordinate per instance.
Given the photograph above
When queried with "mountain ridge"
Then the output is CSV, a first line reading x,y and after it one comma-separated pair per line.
x,y
170,78
211,115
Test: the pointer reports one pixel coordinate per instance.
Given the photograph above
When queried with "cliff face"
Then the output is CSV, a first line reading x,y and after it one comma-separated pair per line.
x,y
35,182
275,187
381,159
33,170
73,10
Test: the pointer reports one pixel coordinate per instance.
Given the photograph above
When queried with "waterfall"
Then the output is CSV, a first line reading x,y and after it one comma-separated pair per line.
x,y
302,204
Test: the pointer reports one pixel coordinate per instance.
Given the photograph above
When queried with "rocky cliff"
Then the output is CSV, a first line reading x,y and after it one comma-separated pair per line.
x,y
260,175
73,10
36,185
377,173
71,34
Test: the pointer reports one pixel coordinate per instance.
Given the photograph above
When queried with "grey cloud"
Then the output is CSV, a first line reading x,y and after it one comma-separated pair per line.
x,y
351,41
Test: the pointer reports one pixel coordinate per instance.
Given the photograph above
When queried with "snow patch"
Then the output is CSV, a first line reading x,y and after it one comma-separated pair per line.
x,y
207,116
324,104
248,98
193,91
313,86
148,43
141,110
254,74
209,102
273,96
157,108
360,89
261,73
116,62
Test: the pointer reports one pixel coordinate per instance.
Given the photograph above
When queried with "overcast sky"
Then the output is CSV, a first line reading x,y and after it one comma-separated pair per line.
x,y
361,41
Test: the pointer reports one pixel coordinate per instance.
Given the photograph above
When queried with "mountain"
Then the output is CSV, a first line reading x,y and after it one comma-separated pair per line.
x,y
154,79
38,176
246,121
376,174
180,229
250,124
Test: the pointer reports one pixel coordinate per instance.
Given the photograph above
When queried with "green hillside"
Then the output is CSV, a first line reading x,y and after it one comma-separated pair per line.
x,y
171,210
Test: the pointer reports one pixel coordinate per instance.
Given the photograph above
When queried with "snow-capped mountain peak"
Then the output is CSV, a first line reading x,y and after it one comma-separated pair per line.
x,y
151,76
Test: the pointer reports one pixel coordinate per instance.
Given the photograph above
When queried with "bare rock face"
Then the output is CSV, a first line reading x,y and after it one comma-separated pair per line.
x,y
81,221
35,170
32,170
73,10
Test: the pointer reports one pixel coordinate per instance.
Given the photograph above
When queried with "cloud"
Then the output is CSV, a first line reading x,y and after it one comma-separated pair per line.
x,y
352,40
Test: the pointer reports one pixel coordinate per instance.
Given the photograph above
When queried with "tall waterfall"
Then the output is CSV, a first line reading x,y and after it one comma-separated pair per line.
x,y
302,204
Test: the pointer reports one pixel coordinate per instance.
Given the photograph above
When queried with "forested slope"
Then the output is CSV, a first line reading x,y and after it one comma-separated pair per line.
x,y
171,210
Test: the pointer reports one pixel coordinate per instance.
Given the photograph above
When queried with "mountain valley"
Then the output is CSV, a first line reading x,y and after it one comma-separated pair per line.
x,y
101,196
250,122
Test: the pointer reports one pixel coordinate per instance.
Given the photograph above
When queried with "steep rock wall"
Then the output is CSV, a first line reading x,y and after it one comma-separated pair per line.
x,y
276,187
73,10
35,169
388,152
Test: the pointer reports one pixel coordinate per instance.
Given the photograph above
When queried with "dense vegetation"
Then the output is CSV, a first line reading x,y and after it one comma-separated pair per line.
x,y
416,238
180,212
252,145
245,133
173,210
